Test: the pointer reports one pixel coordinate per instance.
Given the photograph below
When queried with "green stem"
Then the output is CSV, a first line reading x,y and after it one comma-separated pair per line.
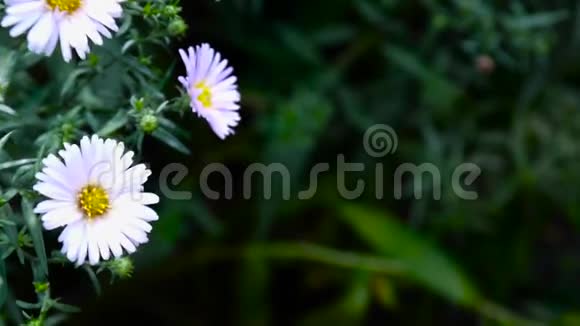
x,y
305,252
94,279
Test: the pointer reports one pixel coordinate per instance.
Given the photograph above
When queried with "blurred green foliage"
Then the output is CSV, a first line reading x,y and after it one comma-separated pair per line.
x,y
488,82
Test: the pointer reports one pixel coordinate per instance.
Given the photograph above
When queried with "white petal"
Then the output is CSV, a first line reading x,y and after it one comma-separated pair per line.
x,y
53,191
40,34
61,216
83,251
48,205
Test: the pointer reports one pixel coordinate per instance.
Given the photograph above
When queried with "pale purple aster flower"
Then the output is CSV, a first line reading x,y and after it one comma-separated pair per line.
x,y
212,88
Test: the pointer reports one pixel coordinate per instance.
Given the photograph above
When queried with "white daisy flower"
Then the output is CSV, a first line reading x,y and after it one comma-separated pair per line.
x,y
212,88
73,22
98,197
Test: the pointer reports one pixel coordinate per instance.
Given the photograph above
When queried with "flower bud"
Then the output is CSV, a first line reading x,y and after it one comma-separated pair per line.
x,y
41,287
171,10
34,322
485,64
68,131
138,103
24,240
93,60
149,123
177,27
121,267
145,60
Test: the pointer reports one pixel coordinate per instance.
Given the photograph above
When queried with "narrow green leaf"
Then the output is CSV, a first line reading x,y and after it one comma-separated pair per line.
x,y
6,109
94,279
427,264
65,307
4,139
9,194
7,252
28,305
3,283
71,81
127,46
9,226
6,223
171,140
35,230
116,123
168,76
307,252
17,163
126,26
162,107
173,127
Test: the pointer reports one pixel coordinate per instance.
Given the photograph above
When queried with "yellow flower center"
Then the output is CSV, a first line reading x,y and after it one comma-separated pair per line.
x,y
205,96
69,6
93,201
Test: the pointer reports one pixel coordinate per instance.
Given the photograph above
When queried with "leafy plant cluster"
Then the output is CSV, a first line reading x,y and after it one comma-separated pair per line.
x,y
118,91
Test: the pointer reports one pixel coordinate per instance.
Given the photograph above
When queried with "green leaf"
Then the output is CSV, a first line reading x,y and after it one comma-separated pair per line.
x,y
162,107
6,109
9,226
17,163
65,307
427,264
6,223
7,252
126,26
94,279
127,46
173,128
71,80
171,140
318,254
28,305
3,283
35,230
117,122
4,139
